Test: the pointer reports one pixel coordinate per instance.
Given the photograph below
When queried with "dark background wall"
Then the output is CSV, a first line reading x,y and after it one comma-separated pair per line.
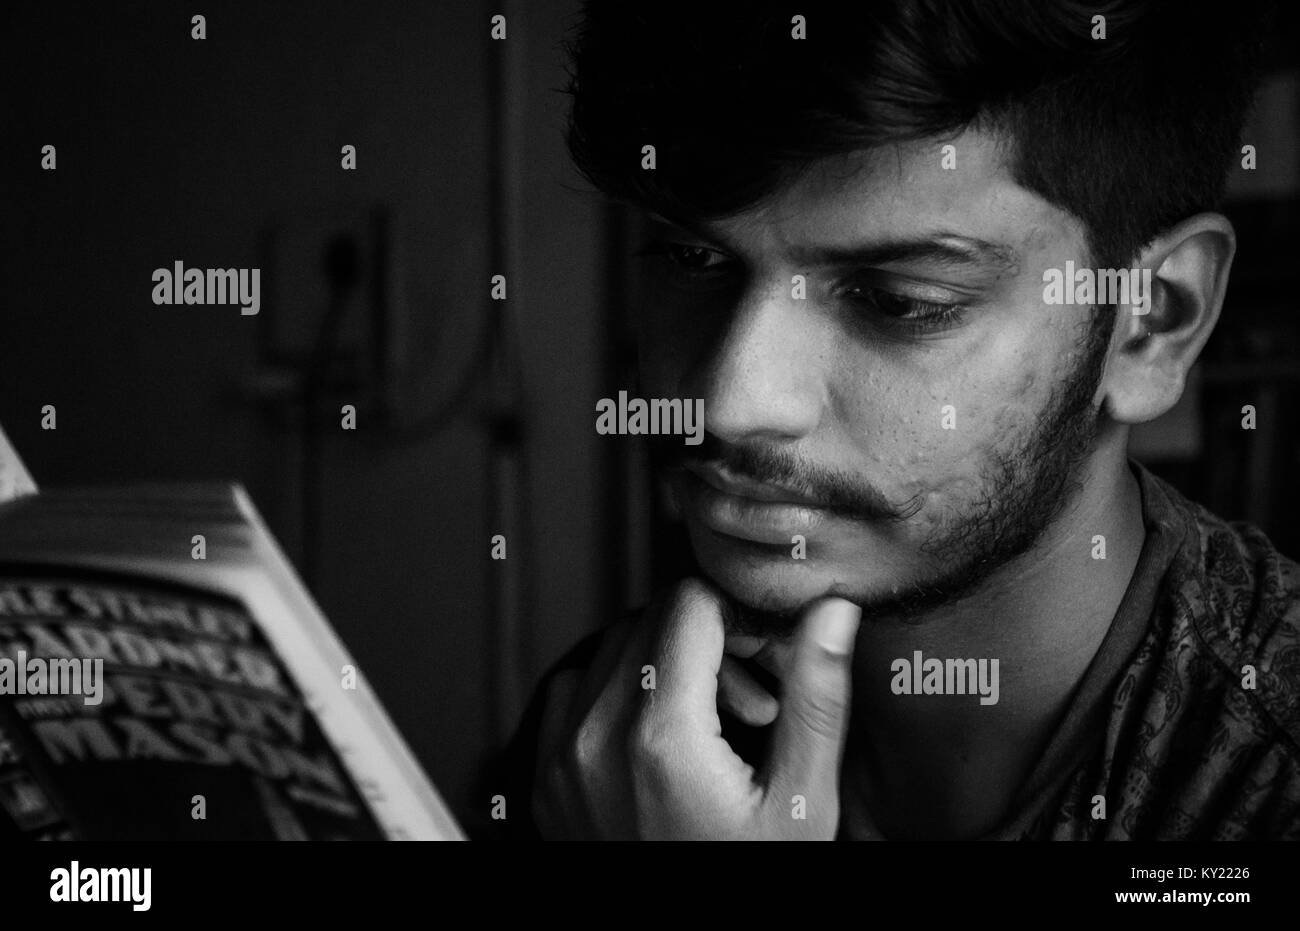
x,y
226,153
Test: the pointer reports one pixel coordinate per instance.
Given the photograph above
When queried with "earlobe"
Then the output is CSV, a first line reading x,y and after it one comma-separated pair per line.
x,y
1143,380
1152,352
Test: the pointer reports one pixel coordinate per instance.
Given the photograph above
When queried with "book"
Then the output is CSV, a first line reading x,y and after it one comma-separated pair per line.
x,y
165,675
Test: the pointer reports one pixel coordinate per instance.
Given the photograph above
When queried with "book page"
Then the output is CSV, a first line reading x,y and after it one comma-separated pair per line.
x,y
15,480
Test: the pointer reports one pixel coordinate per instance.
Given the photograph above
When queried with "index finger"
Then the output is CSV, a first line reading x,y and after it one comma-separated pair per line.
x,y
688,658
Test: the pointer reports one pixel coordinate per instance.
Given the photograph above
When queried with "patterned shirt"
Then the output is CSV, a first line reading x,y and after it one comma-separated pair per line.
x,y
1187,722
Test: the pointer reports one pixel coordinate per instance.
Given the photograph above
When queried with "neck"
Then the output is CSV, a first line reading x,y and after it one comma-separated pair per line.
x,y
945,765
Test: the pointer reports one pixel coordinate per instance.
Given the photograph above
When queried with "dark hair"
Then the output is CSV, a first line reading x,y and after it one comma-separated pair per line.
x,y
1130,133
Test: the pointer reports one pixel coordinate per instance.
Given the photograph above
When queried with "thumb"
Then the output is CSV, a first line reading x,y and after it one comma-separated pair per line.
x,y
810,729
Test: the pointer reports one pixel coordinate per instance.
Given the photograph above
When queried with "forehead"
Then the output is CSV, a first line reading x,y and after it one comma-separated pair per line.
x,y
914,190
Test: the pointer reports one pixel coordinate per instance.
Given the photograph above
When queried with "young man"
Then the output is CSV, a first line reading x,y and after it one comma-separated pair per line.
x,y
935,599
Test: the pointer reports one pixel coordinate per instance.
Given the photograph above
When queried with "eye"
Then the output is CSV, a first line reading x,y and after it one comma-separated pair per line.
x,y
905,313
694,258
687,257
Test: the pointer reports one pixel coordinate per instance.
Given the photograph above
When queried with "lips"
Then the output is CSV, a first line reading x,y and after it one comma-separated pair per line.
x,y
747,509
721,479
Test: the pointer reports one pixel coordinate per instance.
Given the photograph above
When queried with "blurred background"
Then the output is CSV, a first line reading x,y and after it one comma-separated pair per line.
x,y
474,416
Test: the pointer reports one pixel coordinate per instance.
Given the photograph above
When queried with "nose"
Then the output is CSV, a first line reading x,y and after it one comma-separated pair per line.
x,y
762,378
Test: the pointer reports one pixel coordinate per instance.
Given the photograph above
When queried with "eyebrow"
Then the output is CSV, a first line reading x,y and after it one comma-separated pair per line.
x,y
941,247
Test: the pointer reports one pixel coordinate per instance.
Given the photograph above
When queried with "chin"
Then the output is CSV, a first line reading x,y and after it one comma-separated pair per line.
x,y
765,577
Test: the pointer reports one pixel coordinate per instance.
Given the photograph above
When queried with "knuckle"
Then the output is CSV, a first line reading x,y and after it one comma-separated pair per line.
x,y
585,747
647,742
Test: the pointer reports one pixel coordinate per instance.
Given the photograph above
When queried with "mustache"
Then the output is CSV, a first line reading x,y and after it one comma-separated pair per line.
x,y
844,494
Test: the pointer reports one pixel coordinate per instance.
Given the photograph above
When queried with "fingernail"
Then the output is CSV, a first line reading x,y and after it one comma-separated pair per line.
x,y
835,625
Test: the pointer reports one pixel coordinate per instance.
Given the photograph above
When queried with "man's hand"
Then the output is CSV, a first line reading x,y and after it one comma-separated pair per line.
x,y
619,760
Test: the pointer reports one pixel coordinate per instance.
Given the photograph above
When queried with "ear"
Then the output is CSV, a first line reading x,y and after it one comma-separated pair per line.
x,y
1152,352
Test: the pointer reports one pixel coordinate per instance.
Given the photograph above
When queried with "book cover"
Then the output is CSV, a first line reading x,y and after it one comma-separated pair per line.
x,y
164,674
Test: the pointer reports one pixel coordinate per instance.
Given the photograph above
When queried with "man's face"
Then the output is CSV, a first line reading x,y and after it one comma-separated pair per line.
x,y
917,417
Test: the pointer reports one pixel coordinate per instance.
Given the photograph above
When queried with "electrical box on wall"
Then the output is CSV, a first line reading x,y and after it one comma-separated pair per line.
x,y
330,307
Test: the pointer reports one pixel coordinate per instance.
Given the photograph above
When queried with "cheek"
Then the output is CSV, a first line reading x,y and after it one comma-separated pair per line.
x,y
932,429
